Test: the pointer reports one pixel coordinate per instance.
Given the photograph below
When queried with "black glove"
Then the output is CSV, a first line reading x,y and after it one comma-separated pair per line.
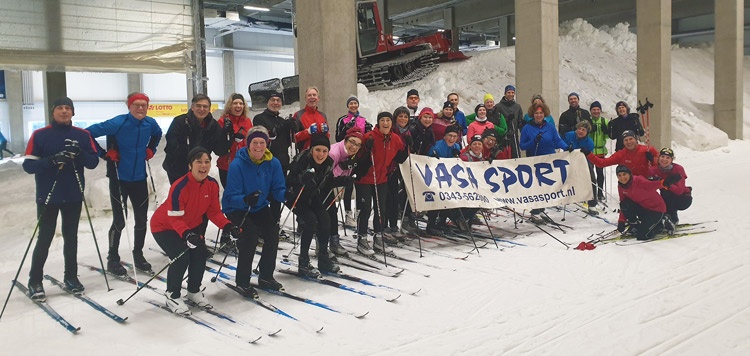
x,y
238,137
455,152
538,137
60,158
230,232
408,140
343,181
252,198
671,179
654,178
621,226
71,146
649,156
369,143
585,151
193,240
228,125
347,164
570,148
308,178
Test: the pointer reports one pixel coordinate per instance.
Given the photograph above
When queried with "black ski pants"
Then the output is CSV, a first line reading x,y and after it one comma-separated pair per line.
x,y
676,202
193,261
47,215
367,197
256,225
313,219
137,193
650,222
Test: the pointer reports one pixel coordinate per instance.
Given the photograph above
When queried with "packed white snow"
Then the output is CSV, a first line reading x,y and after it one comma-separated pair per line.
x,y
685,296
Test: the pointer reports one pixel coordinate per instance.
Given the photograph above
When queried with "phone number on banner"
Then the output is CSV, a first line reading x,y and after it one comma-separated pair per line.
x,y
462,196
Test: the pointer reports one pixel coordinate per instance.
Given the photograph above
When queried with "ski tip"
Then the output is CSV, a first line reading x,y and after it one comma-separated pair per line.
x,y
320,330
255,340
391,300
274,333
416,291
362,315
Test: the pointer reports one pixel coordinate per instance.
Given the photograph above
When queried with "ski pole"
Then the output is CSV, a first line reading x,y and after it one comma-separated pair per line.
x,y
124,202
377,206
153,186
213,279
28,247
553,236
470,233
143,285
294,240
414,199
91,225
343,219
487,222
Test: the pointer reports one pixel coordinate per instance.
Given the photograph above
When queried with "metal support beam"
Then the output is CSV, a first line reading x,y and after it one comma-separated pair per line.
x,y
728,69
196,74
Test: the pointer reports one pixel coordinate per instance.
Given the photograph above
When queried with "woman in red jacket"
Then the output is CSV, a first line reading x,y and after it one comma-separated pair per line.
x,y
235,124
641,204
174,226
679,196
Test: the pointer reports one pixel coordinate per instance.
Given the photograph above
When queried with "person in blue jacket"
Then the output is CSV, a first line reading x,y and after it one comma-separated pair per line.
x,y
446,148
136,137
253,179
56,154
539,137
579,138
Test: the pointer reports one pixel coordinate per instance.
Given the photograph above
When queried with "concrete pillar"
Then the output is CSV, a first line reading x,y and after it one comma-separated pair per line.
x,y
387,24
654,27
227,60
327,53
728,70
55,86
503,38
14,95
196,74
537,53
134,84
449,18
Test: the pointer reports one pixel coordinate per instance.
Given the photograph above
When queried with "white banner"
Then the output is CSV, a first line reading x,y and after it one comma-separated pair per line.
x,y
524,183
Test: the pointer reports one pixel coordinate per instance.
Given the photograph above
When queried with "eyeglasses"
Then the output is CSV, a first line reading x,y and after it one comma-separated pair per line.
x,y
353,143
140,106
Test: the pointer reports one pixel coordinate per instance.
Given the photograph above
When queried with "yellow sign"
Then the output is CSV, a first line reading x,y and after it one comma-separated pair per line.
x,y
171,109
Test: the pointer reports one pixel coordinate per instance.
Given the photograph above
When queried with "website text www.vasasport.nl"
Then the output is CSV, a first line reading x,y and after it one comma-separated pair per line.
x,y
546,197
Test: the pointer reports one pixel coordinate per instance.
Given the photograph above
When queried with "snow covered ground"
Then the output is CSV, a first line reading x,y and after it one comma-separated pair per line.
x,y
685,296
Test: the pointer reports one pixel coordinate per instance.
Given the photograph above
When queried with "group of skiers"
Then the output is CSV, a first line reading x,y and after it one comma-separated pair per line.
x,y
259,176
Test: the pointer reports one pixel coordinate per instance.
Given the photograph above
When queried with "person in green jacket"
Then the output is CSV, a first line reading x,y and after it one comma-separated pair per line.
x,y
493,115
599,135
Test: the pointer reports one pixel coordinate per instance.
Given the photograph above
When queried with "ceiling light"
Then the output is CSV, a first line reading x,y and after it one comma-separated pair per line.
x,y
254,8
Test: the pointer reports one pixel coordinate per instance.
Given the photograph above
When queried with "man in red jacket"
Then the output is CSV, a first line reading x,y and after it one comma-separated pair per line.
x,y
309,120
638,158
642,205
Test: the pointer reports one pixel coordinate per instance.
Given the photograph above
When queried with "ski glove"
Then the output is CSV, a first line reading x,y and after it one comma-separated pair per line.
x,y
71,146
313,129
324,127
230,232
61,158
308,178
193,240
369,143
347,164
408,140
228,125
671,179
112,155
585,151
252,198
649,156
570,148
149,153
238,137
455,152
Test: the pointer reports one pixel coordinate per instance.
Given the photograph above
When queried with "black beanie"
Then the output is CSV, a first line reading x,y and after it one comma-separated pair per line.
x,y
64,101
622,168
452,128
384,114
320,139
595,104
412,92
448,104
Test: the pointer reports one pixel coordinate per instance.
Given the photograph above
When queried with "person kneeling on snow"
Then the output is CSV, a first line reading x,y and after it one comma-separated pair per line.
x,y
679,196
641,205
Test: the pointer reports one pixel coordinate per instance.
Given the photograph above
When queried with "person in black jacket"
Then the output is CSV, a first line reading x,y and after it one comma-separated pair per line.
x,y
311,179
56,155
280,131
195,128
624,121
421,133
571,117
513,113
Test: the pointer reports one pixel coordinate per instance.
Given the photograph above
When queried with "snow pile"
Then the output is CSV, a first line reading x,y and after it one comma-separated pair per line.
x,y
599,64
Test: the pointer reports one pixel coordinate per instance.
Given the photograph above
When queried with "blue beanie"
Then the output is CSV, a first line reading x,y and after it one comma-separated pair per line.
x,y
595,104
574,94
509,87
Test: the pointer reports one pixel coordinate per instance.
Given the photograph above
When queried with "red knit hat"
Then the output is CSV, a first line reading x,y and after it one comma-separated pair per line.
x,y
354,132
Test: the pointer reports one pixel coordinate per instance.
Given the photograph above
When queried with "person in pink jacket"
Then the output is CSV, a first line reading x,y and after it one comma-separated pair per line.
x,y
344,154
641,205
679,196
